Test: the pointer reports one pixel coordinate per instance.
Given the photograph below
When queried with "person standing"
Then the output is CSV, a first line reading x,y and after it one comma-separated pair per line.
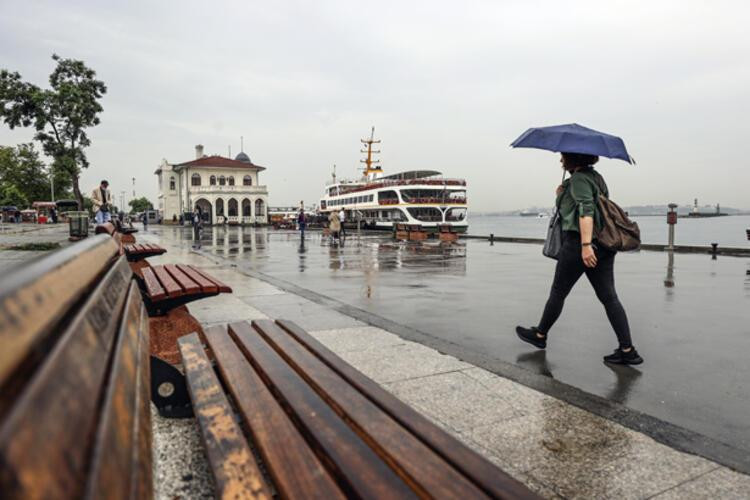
x,y
334,226
102,200
145,220
197,226
302,222
342,219
53,215
576,202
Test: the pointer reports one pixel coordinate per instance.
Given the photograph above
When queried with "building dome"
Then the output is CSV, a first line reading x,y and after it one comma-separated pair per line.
x,y
243,157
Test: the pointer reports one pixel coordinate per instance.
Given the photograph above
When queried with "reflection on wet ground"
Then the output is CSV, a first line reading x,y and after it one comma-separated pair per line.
x,y
694,337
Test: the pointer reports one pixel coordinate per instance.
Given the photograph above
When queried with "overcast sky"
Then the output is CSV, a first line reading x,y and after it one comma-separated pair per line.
x,y
448,86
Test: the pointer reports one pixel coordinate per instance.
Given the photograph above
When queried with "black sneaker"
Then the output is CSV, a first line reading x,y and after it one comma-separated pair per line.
x,y
530,335
619,357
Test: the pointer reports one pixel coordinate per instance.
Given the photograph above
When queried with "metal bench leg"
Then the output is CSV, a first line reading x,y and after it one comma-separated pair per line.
x,y
169,391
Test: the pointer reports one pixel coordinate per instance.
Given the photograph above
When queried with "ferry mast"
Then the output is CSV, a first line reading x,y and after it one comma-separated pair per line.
x,y
371,166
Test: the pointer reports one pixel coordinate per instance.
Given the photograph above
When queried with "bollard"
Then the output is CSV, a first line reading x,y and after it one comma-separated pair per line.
x,y
714,250
671,221
492,239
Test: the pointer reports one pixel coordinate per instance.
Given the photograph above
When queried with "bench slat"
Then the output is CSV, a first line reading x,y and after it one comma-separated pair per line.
x,y
236,473
143,480
153,288
222,287
167,282
117,455
188,285
393,442
35,298
359,467
207,285
471,464
296,471
46,437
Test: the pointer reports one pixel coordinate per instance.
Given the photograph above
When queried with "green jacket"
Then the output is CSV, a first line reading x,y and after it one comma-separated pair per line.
x,y
578,198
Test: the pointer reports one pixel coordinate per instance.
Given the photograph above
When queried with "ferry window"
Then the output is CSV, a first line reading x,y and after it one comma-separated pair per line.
x,y
370,198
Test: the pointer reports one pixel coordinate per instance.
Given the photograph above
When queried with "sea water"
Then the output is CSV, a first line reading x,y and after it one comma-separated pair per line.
x,y
728,231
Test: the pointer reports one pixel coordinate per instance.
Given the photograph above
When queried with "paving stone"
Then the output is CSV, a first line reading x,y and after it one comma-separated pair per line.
x,y
401,362
721,483
455,399
644,468
561,435
223,308
524,400
357,339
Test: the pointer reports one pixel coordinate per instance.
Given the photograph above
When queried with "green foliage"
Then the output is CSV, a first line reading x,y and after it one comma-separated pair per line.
x,y
21,168
11,195
140,204
59,115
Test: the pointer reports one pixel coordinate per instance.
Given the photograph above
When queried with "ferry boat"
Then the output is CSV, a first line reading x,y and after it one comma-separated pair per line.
x,y
379,201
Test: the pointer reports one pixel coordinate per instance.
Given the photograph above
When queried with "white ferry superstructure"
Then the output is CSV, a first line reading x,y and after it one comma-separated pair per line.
x,y
421,197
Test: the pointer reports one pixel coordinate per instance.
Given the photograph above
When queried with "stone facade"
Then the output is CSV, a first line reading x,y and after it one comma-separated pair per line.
x,y
226,190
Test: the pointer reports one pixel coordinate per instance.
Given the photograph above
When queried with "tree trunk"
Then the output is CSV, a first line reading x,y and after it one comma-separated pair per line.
x,y
77,193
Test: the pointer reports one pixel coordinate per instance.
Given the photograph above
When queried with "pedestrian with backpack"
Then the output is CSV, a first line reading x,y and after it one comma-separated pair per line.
x,y
585,213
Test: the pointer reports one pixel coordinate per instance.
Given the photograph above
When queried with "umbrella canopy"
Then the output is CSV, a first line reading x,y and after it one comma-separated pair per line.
x,y
573,138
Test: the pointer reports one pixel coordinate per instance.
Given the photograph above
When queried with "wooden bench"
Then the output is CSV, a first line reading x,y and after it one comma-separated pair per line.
x,y
417,232
127,232
401,231
74,378
136,253
320,428
446,233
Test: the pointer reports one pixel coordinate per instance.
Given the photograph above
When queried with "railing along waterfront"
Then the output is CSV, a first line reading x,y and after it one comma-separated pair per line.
x,y
425,201
407,182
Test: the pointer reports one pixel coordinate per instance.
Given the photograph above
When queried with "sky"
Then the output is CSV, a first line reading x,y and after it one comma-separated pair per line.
x,y
447,85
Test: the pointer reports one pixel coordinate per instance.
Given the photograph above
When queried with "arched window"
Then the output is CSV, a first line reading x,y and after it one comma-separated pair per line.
x,y
247,181
212,180
219,207
260,209
195,180
222,180
230,181
247,207
232,207
171,183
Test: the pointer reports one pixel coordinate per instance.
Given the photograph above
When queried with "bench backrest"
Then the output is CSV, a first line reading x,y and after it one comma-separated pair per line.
x,y
74,377
106,228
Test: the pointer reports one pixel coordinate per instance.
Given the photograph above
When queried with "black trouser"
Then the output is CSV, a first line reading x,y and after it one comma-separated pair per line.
x,y
569,268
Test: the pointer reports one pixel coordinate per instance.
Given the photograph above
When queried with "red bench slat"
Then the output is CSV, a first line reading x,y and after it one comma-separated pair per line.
x,y
189,286
153,287
170,285
222,287
207,285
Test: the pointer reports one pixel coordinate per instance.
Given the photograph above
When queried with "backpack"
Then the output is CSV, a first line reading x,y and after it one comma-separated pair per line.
x,y
616,231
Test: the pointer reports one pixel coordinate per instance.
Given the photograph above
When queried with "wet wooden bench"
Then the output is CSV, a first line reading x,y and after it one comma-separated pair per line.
x,y
321,428
401,231
417,232
447,233
74,377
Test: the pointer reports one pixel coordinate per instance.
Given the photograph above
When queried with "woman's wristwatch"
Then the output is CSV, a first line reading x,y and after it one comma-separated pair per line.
x,y
586,244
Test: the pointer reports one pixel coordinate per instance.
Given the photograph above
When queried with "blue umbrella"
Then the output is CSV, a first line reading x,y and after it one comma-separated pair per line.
x,y
573,138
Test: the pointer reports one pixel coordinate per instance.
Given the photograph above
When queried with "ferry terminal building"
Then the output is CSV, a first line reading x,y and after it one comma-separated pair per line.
x,y
226,190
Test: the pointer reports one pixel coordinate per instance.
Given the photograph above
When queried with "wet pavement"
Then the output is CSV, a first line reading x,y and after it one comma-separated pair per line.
x,y
694,334
558,449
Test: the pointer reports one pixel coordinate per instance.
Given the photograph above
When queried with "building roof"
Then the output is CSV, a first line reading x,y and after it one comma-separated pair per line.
x,y
217,161
242,156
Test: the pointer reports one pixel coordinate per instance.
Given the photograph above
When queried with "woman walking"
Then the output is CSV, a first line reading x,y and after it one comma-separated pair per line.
x,y
576,202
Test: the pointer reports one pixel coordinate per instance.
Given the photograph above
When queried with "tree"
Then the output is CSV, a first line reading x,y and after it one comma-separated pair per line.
x,y
140,204
11,195
21,167
59,115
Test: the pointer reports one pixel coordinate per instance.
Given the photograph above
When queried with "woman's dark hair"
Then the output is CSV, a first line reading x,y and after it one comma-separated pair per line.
x,y
573,160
